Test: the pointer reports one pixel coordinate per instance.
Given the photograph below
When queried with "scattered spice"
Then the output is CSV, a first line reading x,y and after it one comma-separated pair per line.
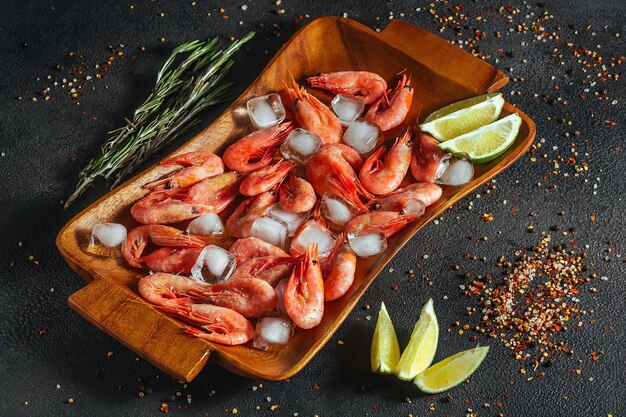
x,y
534,304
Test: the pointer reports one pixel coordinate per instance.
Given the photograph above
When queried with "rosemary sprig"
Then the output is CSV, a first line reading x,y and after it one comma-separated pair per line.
x,y
169,111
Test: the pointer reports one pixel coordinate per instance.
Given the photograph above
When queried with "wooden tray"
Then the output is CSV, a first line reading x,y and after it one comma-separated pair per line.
x,y
442,73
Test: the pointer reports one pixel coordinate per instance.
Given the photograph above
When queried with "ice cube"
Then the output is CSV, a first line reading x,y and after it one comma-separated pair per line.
x,y
206,225
414,206
280,293
313,232
270,230
266,111
337,210
454,171
367,244
300,146
107,239
347,108
272,330
292,220
361,135
214,264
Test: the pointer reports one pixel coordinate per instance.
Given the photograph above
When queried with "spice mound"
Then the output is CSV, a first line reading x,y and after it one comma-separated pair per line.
x,y
536,303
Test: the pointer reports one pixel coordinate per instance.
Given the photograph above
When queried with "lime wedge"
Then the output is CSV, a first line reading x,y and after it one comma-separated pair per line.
x,y
385,348
451,371
487,142
420,352
463,116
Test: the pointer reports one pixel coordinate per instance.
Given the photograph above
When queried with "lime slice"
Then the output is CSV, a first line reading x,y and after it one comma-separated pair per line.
x,y
451,371
463,116
487,142
385,348
420,352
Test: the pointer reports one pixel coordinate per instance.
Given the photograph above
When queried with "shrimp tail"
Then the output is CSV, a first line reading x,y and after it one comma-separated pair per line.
x,y
398,223
348,191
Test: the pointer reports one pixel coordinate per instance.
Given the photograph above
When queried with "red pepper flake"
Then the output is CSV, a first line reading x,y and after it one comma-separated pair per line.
x,y
487,217
164,408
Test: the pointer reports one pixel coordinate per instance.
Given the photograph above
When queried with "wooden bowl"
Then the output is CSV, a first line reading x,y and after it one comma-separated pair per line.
x,y
442,74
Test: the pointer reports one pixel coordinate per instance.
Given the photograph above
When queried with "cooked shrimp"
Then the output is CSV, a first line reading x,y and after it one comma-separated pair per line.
x,y
261,260
363,85
331,170
257,149
248,297
217,324
199,165
382,178
425,158
211,195
389,222
426,192
167,290
240,221
312,115
341,273
391,109
296,194
253,247
171,260
139,237
265,178
166,206
304,295
270,269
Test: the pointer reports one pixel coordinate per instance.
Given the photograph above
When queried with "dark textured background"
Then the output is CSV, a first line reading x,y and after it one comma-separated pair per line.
x,y
48,354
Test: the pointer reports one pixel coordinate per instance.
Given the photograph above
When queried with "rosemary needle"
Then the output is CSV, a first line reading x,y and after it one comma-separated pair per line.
x,y
178,95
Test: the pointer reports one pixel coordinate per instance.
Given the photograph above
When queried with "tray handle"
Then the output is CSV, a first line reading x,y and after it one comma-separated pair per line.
x,y
433,52
139,326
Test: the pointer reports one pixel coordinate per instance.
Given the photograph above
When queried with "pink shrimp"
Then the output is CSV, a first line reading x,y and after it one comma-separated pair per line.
x,y
261,260
257,149
211,195
425,158
253,247
341,273
363,85
389,222
270,269
167,290
388,112
172,260
265,178
304,295
139,237
217,324
240,221
296,194
426,192
331,170
248,297
382,178
199,165
312,115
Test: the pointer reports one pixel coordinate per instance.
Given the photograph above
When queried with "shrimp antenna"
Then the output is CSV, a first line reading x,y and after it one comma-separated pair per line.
x,y
401,71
